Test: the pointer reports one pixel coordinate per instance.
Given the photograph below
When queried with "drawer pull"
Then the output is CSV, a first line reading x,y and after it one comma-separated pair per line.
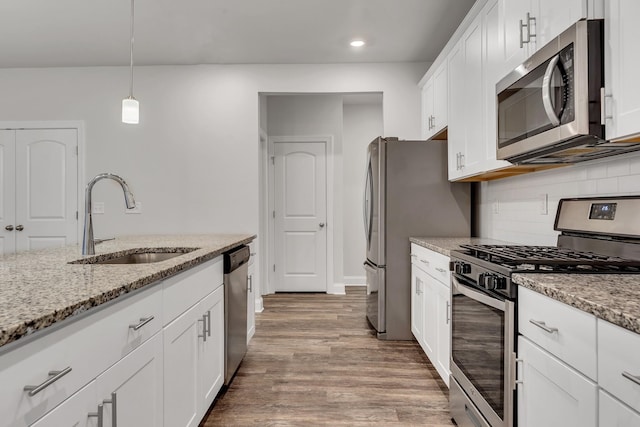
x,y
53,377
540,324
208,322
441,270
424,261
143,321
633,378
99,415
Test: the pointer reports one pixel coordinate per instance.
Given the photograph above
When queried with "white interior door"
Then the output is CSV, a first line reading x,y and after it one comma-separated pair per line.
x,y
300,204
7,192
46,188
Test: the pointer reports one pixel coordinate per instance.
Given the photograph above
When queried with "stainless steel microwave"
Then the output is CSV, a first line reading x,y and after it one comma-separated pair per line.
x,y
549,107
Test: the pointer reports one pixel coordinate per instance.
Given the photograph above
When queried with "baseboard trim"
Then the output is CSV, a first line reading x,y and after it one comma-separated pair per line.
x,y
355,280
259,308
336,289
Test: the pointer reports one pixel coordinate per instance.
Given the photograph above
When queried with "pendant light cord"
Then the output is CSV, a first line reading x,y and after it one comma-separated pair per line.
x,y
131,55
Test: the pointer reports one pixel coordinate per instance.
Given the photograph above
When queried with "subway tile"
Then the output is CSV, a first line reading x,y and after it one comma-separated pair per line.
x,y
607,186
629,184
618,168
596,171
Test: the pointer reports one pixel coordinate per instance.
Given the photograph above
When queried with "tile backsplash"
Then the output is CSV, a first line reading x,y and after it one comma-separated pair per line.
x,y
522,209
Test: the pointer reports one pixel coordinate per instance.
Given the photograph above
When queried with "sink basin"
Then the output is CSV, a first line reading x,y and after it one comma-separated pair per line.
x,y
136,256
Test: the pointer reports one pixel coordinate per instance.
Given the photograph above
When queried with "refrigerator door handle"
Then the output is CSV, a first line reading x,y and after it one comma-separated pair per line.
x,y
365,195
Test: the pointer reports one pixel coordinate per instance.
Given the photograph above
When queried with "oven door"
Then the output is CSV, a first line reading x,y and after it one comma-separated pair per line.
x,y
482,355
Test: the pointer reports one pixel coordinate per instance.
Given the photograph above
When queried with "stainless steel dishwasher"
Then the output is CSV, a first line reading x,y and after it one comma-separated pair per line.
x,y
236,269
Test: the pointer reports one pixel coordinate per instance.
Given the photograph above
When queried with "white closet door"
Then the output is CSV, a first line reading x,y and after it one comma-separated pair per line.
x,y
7,192
46,188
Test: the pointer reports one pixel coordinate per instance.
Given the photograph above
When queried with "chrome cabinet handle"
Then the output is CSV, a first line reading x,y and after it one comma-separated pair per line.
x,y
528,27
603,107
632,378
424,261
250,280
19,227
53,377
143,321
418,290
208,322
204,328
522,26
448,317
441,270
9,228
540,324
462,161
517,382
99,415
114,410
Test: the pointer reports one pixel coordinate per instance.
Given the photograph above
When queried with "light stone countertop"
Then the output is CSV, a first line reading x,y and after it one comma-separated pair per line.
x,y
39,288
611,297
444,245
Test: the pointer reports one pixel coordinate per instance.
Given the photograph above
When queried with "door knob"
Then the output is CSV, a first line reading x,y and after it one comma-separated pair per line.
x,y
322,225
19,227
9,228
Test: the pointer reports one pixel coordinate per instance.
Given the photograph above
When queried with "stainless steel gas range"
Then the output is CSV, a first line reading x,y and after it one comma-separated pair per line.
x,y
598,235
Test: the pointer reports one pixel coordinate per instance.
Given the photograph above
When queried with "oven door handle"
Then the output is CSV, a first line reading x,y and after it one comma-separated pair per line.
x,y
546,91
459,288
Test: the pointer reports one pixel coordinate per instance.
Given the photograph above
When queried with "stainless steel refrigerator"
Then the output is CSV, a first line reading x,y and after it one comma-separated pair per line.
x,y
407,193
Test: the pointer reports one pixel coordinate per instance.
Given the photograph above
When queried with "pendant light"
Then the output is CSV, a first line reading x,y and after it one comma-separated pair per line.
x,y
130,105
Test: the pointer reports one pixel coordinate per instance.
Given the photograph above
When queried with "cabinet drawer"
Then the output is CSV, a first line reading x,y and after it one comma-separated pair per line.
x,y
564,331
88,346
187,288
613,413
433,263
618,367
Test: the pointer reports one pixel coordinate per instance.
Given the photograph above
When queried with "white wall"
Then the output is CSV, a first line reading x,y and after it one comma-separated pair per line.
x,y
517,200
193,161
362,123
315,115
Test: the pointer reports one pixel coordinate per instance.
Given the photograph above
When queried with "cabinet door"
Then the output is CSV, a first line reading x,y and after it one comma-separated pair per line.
x,y
430,317
457,111
553,17
552,393
622,61
74,411
614,413
427,109
443,346
131,390
440,98
417,307
251,295
181,343
7,192
513,36
211,350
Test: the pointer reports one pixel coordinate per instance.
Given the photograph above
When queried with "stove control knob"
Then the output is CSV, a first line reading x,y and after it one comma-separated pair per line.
x,y
501,282
463,268
492,282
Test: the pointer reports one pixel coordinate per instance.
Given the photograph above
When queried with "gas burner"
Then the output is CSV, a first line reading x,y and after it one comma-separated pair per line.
x,y
550,259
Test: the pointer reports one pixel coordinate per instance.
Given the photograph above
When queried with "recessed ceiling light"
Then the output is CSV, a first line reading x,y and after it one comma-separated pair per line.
x,y
357,43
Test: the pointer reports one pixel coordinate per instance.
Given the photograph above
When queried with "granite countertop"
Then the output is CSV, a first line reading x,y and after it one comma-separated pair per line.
x,y
39,288
611,297
445,245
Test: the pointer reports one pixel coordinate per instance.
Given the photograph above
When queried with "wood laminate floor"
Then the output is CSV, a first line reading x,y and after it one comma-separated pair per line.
x,y
314,361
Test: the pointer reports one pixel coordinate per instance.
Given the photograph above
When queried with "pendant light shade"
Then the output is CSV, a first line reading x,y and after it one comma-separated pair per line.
x,y
130,111
130,105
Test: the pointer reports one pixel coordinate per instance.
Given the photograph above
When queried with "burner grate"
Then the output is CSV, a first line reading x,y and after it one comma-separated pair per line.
x,y
552,258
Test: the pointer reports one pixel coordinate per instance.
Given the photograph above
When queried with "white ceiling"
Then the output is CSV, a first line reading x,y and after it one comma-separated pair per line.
x,y
52,33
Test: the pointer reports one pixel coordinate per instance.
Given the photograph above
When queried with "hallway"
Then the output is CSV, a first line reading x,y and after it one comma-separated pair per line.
x,y
315,362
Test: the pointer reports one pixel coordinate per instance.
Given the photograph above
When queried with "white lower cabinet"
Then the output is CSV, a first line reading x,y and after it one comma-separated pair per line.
x,y
131,390
430,305
194,361
552,393
251,294
74,411
614,413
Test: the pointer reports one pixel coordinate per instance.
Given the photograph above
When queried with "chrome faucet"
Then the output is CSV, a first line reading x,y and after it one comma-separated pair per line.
x,y
88,242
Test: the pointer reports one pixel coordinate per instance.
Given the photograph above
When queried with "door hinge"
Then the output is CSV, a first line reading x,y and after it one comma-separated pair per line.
x,y
76,150
76,215
274,214
273,160
274,267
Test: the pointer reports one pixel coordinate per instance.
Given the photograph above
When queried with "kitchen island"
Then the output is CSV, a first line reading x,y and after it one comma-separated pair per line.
x,y
76,337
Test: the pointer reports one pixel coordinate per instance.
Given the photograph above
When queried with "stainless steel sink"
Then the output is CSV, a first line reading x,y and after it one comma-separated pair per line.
x,y
136,256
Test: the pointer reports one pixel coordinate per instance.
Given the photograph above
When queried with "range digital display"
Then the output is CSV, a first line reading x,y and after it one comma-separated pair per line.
x,y
605,211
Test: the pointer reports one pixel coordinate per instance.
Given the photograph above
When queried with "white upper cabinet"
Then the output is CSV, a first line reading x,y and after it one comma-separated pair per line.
x,y
435,94
527,25
622,61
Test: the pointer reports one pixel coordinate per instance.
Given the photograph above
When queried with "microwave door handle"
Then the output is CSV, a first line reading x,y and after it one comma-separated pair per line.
x,y
546,91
